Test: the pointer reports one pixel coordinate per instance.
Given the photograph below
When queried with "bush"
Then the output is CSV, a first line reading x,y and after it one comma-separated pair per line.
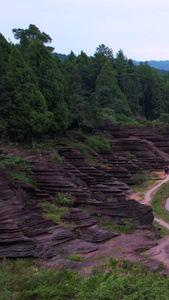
x,y
74,257
131,157
139,178
108,114
17,168
56,159
158,124
64,199
83,150
96,142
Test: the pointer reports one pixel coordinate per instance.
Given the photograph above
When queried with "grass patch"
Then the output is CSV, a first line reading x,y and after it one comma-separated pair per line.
x,y
64,199
142,188
117,279
96,142
92,160
127,228
162,231
17,168
158,202
54,213
56,159
75,257
83,149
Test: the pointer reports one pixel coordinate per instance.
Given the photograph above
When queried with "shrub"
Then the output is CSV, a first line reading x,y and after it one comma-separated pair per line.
x,y
96,142
52,211
75,257
17,168
64,199
56,159
158,124
83,150
128,223
131,157
139,178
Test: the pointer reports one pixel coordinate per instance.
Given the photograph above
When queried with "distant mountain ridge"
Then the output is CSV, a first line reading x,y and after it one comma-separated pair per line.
x,y
161,64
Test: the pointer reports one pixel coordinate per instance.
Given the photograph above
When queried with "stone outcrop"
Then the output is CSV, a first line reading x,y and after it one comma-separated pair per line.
x,y
23,230
86,227
102,187
150,147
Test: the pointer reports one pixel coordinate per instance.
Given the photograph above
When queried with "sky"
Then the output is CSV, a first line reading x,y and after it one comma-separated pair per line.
x,y
139,27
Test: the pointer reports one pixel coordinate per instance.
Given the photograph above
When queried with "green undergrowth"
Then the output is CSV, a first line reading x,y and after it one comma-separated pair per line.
x,y
158,202
56,159
127,225
17,168
53,212
75,257
162,231
95,142
116,280
92,160
144,180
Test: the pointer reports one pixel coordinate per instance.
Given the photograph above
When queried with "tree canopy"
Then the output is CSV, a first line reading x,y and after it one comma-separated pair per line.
x,y
40,94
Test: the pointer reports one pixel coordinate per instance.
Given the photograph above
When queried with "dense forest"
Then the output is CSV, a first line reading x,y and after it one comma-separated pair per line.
x,y
43,96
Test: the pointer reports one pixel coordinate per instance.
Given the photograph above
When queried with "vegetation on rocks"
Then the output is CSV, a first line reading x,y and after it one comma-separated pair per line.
x,y
42,99
54,212
158,202
98,141
23,279
17,168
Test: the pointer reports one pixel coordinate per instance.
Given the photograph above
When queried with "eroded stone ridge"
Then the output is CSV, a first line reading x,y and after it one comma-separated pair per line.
x,y
102,188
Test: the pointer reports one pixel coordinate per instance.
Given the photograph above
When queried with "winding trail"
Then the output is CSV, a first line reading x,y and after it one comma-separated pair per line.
x,y
148,199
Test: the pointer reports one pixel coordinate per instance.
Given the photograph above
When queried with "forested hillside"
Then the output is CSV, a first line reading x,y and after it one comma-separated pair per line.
x,y
40,95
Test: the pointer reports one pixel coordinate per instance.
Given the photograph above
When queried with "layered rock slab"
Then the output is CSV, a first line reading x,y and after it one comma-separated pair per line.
x,y
86,227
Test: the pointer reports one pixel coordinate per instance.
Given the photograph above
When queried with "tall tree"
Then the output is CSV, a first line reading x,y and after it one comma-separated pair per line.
x,y
133,88
107,78
51,82
5,93
106,51
27,110
25,36
83,63
151,97
96,64
121,69
72,75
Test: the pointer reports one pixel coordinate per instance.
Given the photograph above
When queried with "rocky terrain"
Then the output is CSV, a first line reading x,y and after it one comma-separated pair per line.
x,y
102,187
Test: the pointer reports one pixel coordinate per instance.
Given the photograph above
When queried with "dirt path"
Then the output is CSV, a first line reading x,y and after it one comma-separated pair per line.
x,y
131,246
148,199
148,194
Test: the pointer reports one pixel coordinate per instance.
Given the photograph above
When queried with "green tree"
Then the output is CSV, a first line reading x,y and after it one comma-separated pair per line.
x,y
51,83
95,66
107,78
133,88
83,68
151,83
121,69
27,110
165,93
106,51
72,76
5,91
25,36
